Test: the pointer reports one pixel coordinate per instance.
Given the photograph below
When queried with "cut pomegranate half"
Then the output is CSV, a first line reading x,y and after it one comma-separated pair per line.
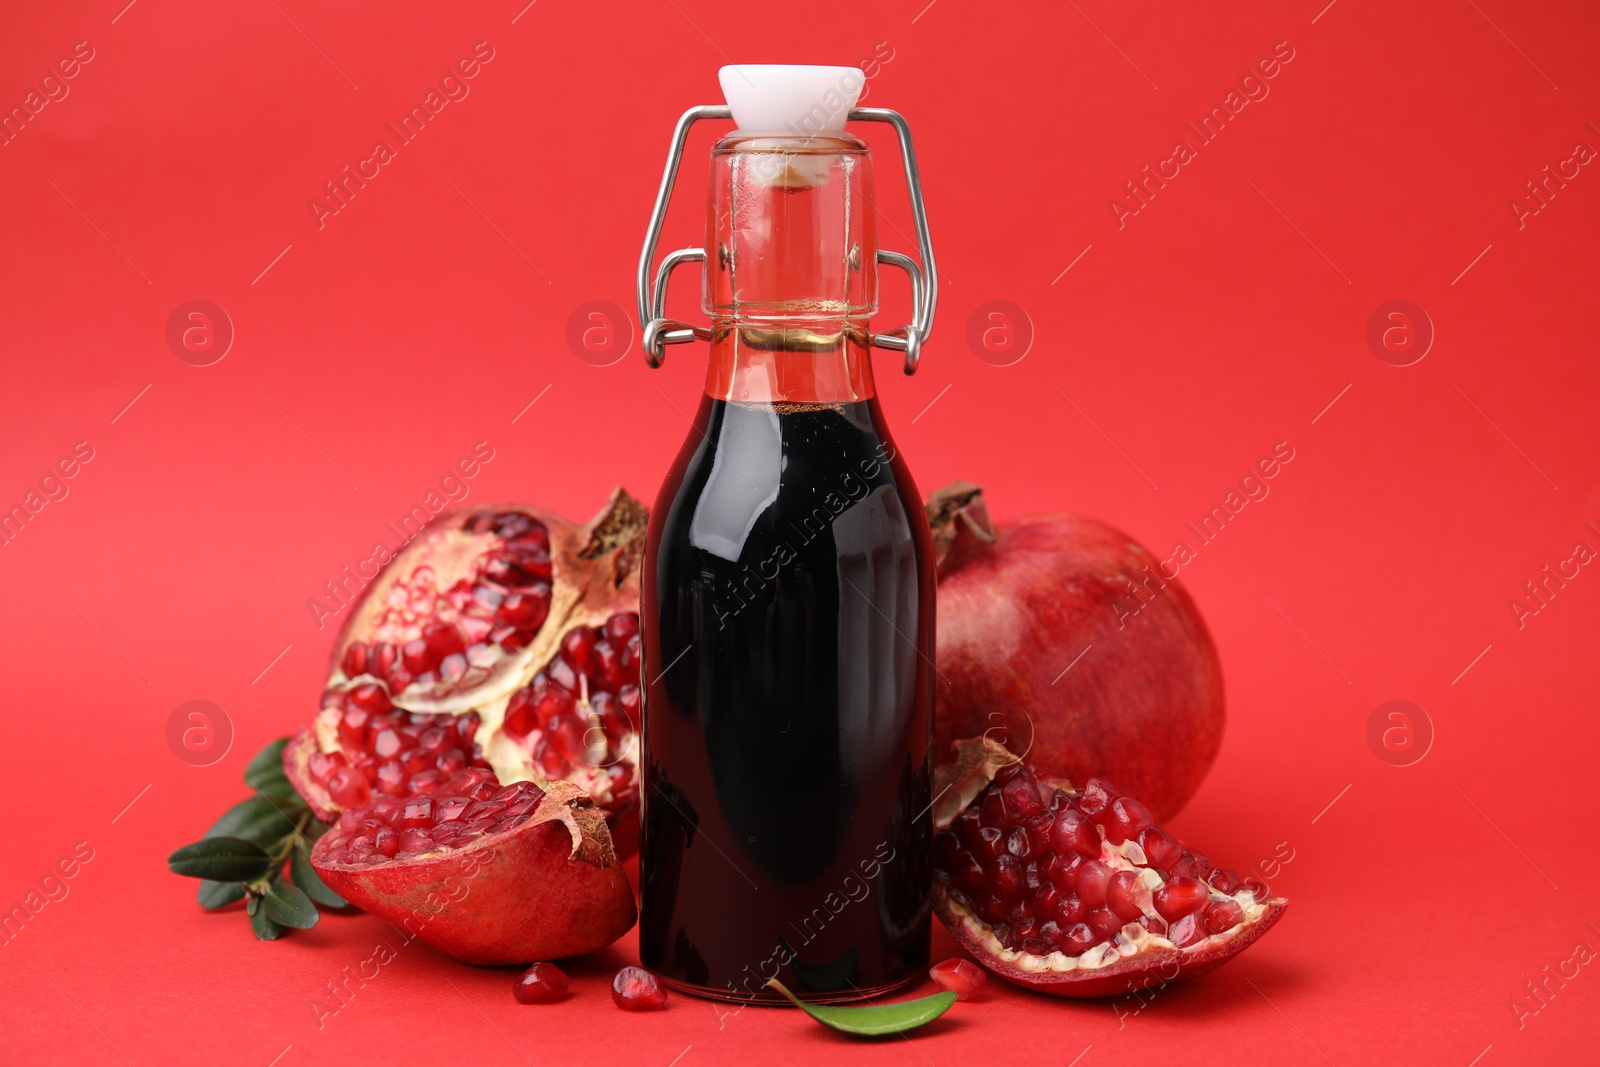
x,y
488,874
500,637
1077,893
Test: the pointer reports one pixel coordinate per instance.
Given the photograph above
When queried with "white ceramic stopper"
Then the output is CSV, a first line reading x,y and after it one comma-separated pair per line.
x,y
789,99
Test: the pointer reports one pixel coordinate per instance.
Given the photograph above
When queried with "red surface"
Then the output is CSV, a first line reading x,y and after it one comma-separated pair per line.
x,y
1223,318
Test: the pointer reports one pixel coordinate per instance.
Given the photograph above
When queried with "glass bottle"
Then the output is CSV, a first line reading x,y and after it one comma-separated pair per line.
x,y
788,587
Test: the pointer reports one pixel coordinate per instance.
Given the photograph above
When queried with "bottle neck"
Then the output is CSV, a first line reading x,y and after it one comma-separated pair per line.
x,y
791,280
756,364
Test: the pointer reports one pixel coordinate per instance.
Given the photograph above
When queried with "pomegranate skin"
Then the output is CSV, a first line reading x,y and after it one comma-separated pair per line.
x,y
1143,706
1149,969
549,888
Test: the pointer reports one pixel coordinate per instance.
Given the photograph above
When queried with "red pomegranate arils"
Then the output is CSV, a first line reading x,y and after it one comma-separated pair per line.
x,y
636,989
962,977
1049,893
422,823
543,983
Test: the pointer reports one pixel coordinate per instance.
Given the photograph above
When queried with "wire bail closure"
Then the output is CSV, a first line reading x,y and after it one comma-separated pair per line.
x,y
660,331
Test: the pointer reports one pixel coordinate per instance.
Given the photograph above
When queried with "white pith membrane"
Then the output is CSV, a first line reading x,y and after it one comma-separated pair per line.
x,y
1130,941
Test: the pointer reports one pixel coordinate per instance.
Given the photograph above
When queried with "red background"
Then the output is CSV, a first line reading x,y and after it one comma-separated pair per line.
x,y
1223,318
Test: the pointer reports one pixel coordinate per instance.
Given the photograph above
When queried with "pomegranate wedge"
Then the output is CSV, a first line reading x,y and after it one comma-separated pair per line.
x,y
1077,893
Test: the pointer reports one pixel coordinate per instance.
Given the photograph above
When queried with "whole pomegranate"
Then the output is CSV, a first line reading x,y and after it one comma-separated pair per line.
x,y
1058,637
478,730
1077,892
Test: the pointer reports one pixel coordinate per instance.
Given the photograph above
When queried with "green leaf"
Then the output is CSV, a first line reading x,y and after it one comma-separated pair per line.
x,y
306,877
265,929
315,828
282,792
219,894
286,905
221,859
874,1020
267,768
258,819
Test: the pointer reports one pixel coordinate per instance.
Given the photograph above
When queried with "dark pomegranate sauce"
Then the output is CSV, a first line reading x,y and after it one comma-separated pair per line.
x,y
788,703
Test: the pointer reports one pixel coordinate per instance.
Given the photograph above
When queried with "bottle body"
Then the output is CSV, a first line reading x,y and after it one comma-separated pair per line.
x,y
788,622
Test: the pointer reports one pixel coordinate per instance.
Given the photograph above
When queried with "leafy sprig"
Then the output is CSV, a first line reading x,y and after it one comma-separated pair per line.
x,y
259,852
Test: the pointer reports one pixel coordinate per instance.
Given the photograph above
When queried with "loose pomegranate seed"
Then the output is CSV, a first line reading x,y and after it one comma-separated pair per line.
x,y
962,977
543,983
636,989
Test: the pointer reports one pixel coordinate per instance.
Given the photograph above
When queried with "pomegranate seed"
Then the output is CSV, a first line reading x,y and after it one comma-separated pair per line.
x,y
1073,831
1063,870
353,726
381,660
417,812
621,626
628,702
1125,818
636,989
962,977
1091,880
1122,895
1104,922
543,983
443,638
416,840
370,698
451,760
1078,937
1096,796
348,788
1223,915
1225,881
607,668
1008,876
1069,910
387,744
989,843
632,653
1022,794
1161,849
449,809
386,841
414,760
1186,931
1017,842
1180,897
1258,889
1037,946
392,779
992,809
418,657
968,873
355,660
991,909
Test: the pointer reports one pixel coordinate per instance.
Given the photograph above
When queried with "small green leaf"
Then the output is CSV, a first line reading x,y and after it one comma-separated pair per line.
x,y
286,905
221,859
282,792
257,819
219,894
874,1020
306,877
265,929
267,768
